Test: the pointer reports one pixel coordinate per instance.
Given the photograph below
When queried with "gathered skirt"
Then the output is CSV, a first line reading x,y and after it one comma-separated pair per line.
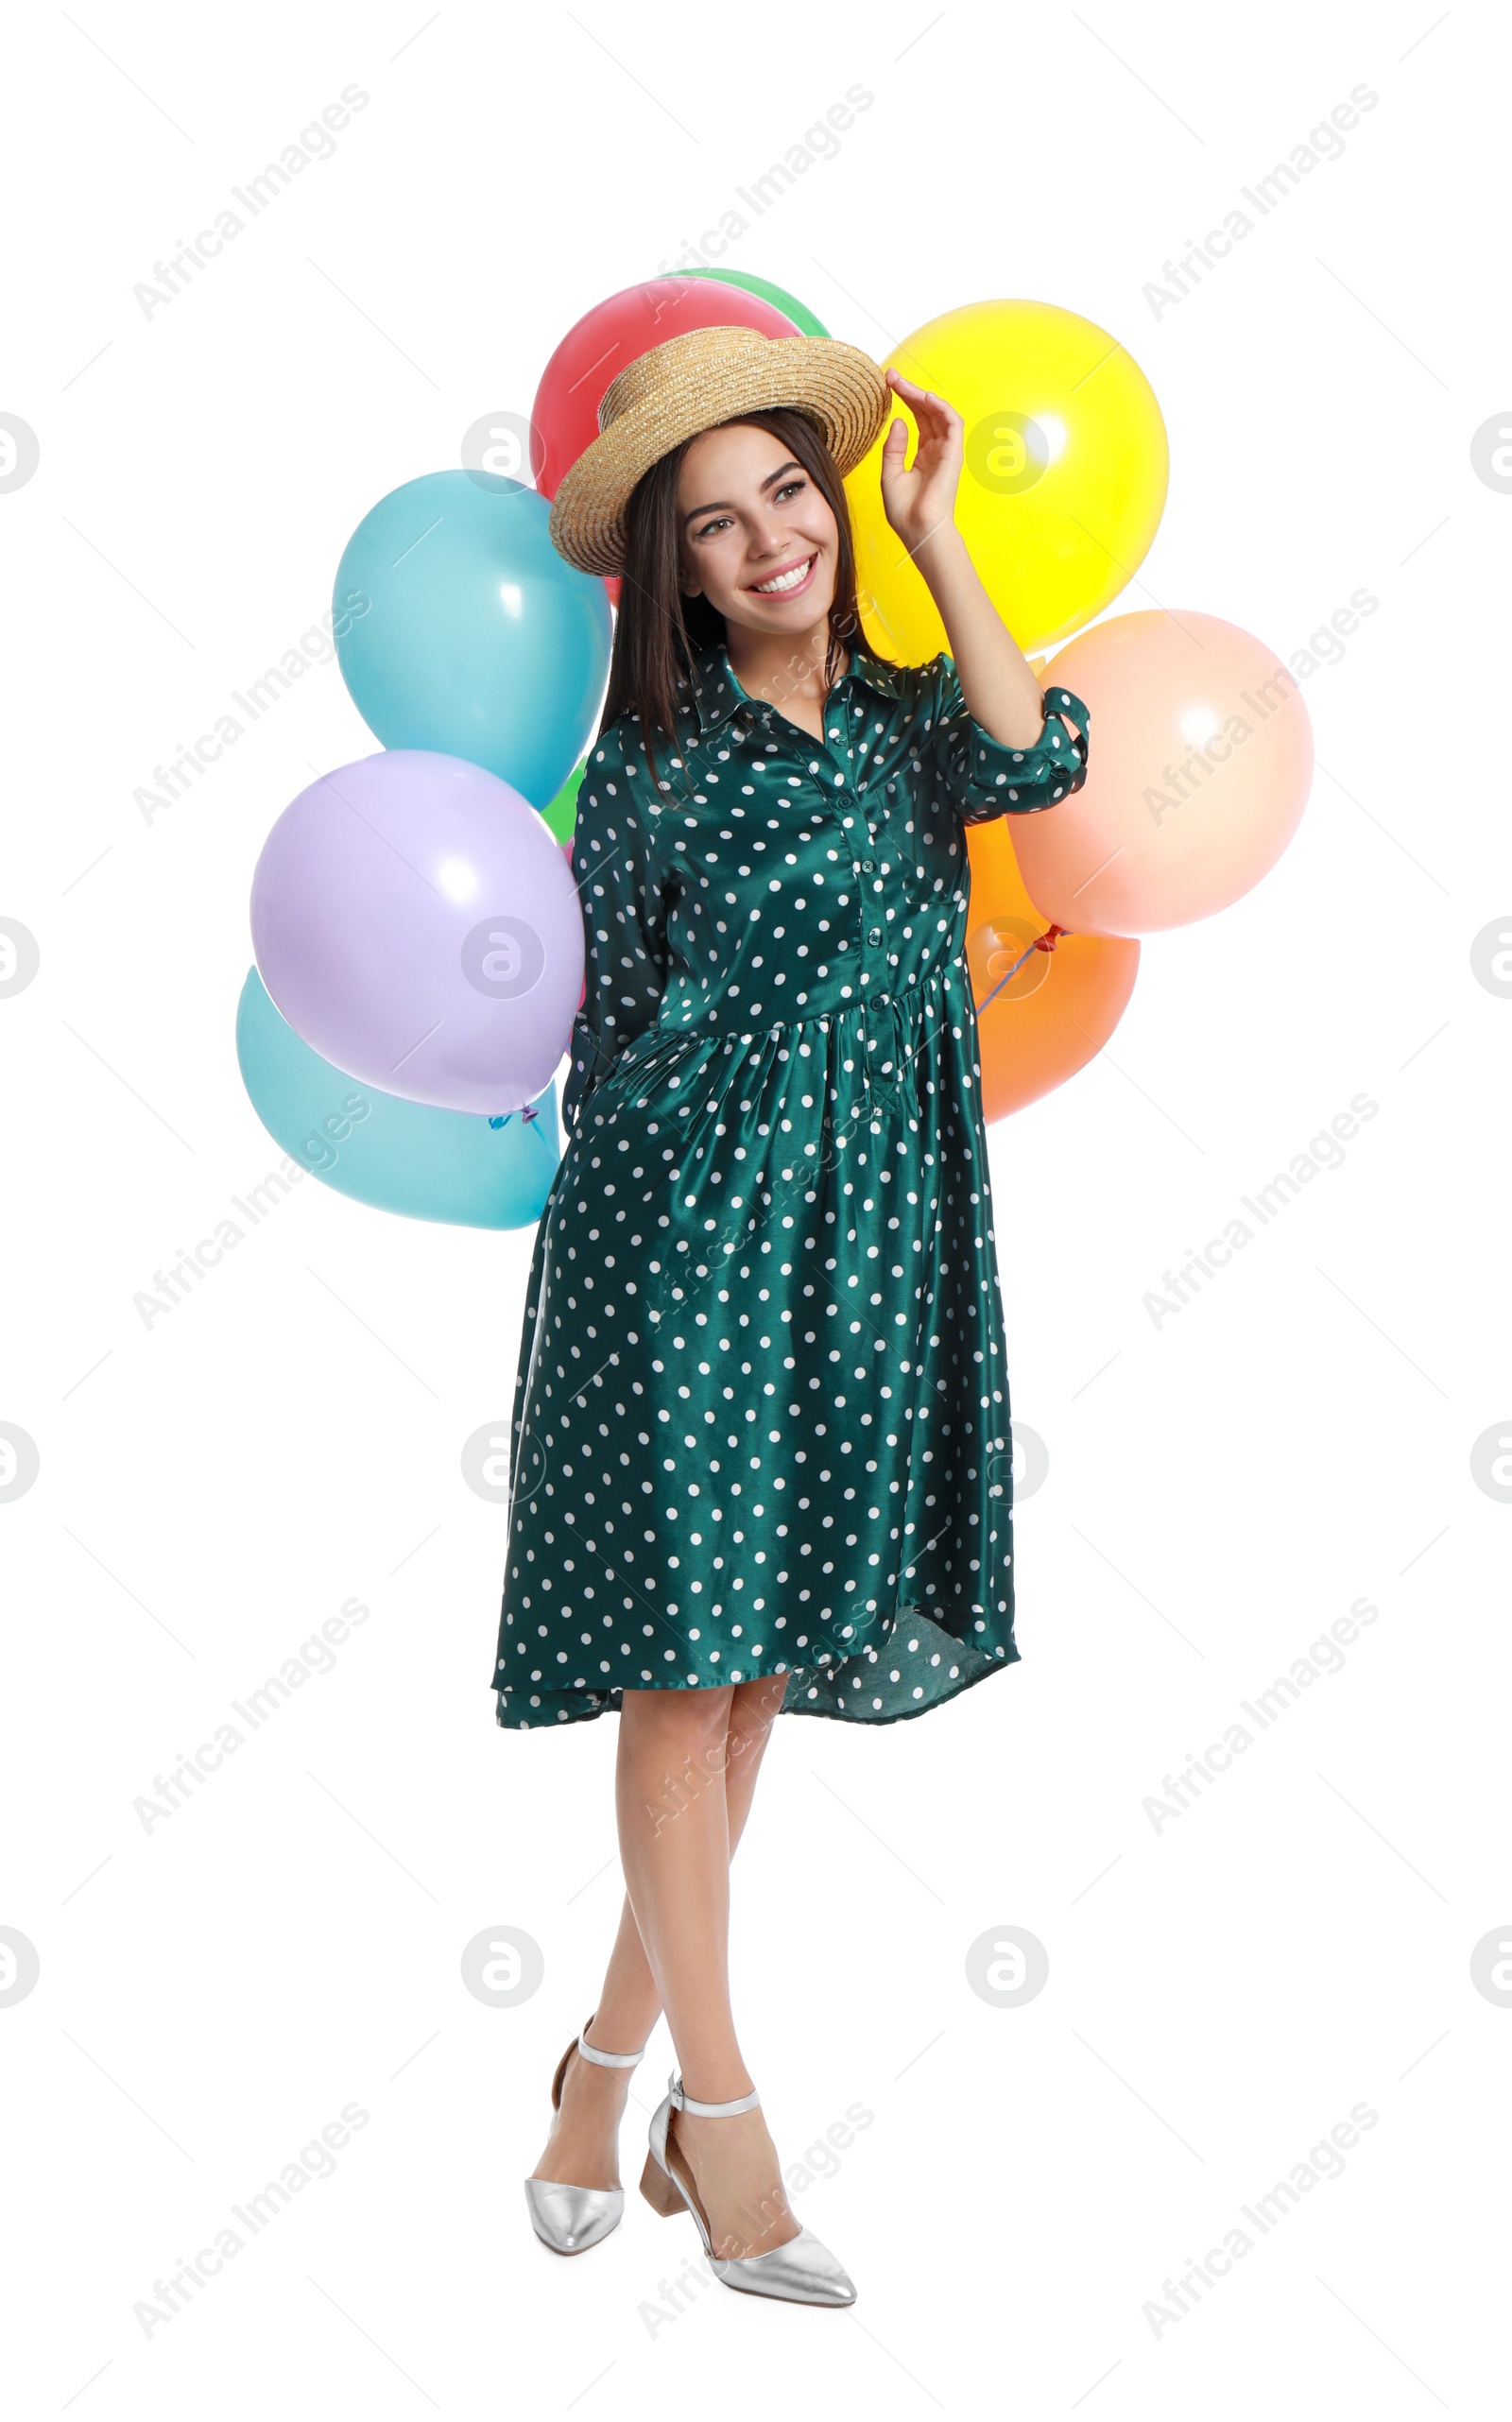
x,y
761,1420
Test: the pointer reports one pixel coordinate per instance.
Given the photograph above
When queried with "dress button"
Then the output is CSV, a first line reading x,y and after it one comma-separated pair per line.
x,y
867,865
874,937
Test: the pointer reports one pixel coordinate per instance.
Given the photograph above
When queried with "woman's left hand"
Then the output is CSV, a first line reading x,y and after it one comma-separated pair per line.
x,y
920,500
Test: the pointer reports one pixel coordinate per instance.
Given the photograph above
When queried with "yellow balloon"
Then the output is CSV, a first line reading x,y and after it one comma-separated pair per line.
x,y
1063,484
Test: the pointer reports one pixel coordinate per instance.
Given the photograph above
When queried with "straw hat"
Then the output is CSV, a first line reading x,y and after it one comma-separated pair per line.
x,y
693,382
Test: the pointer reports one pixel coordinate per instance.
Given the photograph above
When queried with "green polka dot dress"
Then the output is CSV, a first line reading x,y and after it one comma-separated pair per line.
x,y
761,1420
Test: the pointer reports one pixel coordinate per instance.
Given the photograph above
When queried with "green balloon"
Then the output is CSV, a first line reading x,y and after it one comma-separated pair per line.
x,y
798,313
561,816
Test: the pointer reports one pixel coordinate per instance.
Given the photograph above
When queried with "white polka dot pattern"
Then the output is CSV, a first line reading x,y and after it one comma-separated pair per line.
x,y
762,1406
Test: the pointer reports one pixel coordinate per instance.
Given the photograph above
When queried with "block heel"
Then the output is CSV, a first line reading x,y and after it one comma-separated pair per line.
x,y
659,2189
801,2271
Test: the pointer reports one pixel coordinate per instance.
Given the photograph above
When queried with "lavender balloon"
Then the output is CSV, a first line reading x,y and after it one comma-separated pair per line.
x,y
414,922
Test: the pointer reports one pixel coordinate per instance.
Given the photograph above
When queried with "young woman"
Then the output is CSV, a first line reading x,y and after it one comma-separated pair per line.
x,y
761,1455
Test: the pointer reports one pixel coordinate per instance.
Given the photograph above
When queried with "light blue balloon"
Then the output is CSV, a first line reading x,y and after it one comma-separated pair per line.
x,y
398,1156
461,628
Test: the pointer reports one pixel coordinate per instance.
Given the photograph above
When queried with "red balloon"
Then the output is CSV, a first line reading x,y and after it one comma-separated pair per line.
x,y
564,417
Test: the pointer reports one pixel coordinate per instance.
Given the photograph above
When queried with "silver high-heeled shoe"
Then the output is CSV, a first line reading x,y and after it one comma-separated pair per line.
x,y
571,2219
802,2270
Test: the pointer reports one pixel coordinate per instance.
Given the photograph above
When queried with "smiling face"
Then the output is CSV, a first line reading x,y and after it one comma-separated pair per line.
x,y
757,539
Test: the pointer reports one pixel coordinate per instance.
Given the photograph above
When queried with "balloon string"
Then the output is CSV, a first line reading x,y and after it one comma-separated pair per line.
x,y
1046,942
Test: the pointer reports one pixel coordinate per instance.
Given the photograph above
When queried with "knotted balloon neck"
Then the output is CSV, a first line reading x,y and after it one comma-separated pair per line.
x,y
1046,941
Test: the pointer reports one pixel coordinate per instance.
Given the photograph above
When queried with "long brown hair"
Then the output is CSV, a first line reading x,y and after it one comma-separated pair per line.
x,y
657,631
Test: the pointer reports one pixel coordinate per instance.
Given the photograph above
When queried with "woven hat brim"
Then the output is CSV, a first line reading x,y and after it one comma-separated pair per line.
x,y
834,385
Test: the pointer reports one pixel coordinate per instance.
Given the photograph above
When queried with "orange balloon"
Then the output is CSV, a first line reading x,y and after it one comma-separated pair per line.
x,y
1056,1012
1199,769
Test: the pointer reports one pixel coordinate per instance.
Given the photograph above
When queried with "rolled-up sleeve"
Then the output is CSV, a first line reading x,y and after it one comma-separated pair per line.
x,y
624,924
984,778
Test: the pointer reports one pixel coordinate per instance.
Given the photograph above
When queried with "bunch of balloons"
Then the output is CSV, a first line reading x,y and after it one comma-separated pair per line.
x,y
417,930
1201,754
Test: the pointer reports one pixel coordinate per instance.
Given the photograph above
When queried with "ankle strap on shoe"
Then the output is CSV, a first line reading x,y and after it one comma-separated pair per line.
x,y
681,2102
606,2059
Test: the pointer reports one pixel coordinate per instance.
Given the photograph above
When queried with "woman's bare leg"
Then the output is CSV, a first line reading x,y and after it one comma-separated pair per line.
x,y
678,1875
721,1762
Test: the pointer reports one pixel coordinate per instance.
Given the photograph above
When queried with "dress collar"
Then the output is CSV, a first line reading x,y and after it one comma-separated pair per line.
x,y
716,692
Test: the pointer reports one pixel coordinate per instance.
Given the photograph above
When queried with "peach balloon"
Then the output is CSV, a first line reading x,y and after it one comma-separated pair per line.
x,y
1199,770
1056,1012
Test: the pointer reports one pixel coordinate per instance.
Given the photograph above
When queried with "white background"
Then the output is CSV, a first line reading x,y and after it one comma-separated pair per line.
x,y
1220,1489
